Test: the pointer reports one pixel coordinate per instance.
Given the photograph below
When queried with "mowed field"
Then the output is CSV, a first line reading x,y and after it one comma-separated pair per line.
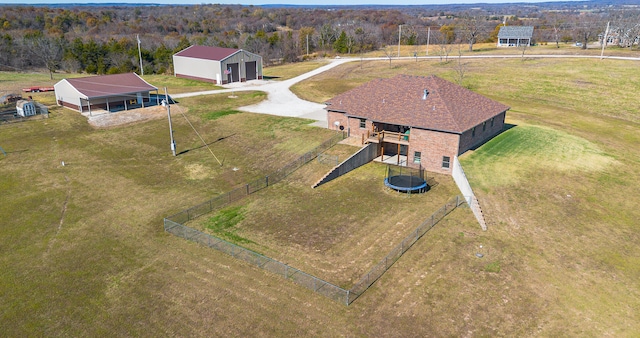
x,y
83,251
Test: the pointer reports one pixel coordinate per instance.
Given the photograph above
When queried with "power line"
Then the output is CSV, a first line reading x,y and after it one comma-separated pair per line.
x,y
201,139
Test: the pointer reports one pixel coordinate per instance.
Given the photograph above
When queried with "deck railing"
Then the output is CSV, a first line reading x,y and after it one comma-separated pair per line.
x,y
387,136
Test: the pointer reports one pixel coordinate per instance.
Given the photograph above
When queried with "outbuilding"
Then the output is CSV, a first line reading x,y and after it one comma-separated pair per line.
x,y
417,121
25,108
108,92
217,65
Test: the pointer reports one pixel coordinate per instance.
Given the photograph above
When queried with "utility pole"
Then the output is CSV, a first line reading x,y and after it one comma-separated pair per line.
x,y
428,37
307,44
604,41
166,102
140,55
399,36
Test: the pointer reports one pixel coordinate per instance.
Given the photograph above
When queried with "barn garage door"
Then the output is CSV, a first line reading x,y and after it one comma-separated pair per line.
x,y
250,67
233,73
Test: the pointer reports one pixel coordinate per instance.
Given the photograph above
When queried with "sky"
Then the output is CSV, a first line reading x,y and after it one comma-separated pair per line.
x,y
282,2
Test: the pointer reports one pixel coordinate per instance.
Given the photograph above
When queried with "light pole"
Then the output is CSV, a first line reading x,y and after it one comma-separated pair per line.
x,y
165,102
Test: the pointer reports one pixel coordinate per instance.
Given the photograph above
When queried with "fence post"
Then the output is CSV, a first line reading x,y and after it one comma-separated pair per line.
x,y
247,189
267,180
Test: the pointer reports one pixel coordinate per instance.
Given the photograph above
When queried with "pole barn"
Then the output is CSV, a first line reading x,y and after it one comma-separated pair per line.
x,y
217,65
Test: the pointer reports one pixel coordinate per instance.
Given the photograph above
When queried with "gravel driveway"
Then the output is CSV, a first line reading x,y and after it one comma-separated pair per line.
x,y
280,100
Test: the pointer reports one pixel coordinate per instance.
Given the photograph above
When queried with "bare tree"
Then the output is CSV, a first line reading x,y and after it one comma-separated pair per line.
x,y
328,36
48,51
471,27
389,53
460,68
444,47
586,28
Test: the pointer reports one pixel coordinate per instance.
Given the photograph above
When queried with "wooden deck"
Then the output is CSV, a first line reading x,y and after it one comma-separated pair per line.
x,y
387,136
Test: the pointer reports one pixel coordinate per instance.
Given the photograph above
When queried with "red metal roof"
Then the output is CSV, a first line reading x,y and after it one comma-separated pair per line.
x,y
207,52
399,100
110,85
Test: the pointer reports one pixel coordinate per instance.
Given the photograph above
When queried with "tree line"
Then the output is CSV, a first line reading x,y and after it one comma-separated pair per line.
x,y
104,39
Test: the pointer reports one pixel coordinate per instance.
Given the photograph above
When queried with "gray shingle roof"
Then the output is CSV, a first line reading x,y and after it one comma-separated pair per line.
x,y
515,32
399,100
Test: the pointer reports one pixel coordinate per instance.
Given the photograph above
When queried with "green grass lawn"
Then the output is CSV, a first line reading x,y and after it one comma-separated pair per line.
x,y
290,70
83,251
557,189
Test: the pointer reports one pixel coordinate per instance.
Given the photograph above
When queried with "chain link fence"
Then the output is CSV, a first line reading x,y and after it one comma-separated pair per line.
x,y
302,278
379,269
332,160
297,276
175,225
254,186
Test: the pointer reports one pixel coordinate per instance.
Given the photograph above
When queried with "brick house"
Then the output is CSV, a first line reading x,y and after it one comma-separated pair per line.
x,y
423,121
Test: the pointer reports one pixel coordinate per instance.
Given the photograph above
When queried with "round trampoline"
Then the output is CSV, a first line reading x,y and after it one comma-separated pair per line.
x,y
406,183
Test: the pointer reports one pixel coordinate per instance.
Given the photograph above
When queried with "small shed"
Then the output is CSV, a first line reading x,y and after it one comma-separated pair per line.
x,y
217,65
515,36
26,108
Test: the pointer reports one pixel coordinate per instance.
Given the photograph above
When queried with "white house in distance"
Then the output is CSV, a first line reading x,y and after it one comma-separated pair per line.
x,y
515,36
217,65
107,92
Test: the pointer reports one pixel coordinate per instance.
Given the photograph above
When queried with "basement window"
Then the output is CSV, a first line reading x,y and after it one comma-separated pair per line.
x,y
417,157
363,123
446,162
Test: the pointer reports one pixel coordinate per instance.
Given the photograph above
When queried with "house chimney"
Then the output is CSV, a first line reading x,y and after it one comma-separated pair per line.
x,y
426,92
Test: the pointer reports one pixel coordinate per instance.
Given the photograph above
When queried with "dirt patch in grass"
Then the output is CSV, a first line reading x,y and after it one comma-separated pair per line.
x,y
106,119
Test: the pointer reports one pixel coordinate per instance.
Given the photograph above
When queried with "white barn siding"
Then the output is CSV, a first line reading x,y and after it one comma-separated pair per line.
x,y
242,64
67,95
198,69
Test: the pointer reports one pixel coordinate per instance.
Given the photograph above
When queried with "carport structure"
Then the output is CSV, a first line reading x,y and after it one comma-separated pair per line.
x,y
108,92
217,65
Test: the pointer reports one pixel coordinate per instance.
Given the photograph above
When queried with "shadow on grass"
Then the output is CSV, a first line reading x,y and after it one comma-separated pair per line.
x,y
205,145
270,77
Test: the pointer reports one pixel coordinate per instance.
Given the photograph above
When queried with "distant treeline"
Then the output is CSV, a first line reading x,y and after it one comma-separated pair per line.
x,y
102,39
